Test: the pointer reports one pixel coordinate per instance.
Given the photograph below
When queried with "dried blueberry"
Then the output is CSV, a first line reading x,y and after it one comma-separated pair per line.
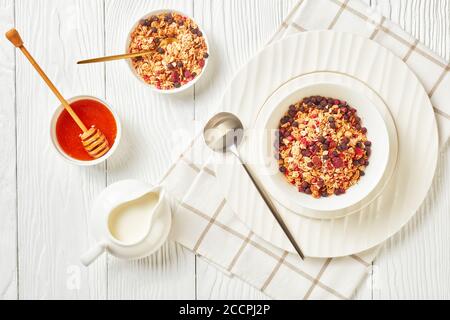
x,y
305,185
284,120
306,153
168,17
146,22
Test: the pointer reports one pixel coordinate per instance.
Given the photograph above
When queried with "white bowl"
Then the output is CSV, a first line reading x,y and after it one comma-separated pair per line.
x,y
377,133
183,87
68,158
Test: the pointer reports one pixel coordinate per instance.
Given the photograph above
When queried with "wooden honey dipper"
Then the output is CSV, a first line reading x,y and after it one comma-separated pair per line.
x,y
93,140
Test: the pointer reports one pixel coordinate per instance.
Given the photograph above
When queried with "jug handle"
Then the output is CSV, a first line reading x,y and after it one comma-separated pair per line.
x,y
93,253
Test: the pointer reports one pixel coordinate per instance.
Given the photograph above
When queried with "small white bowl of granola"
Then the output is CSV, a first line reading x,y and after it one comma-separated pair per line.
x,y
326,147
175,64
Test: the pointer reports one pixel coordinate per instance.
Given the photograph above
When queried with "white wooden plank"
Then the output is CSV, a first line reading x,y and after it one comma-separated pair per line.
x,y
236,31
152,127
54,197
8,225
415,263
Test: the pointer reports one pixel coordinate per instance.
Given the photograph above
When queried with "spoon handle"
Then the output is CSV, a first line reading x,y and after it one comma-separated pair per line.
x,y
269,204
93,253
14,36
116,57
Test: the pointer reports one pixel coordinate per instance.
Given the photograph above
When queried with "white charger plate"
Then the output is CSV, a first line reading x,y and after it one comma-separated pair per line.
x,y
381,72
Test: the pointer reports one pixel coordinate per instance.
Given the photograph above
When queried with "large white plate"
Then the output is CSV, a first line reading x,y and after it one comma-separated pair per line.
x,y
387,76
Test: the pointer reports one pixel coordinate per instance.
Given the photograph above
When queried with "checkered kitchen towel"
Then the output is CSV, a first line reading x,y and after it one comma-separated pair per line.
x,y
204,223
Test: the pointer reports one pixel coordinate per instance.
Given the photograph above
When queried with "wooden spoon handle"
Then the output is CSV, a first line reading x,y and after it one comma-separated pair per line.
x,y
14,36
163,43
115,57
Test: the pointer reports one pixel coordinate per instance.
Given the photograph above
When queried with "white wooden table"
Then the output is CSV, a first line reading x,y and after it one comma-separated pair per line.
x,y
44,202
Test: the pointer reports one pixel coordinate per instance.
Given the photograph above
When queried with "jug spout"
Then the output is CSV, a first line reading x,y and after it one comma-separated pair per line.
x,y
93,253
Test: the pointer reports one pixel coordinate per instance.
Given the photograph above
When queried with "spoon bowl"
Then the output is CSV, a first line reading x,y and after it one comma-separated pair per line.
x,y
223,131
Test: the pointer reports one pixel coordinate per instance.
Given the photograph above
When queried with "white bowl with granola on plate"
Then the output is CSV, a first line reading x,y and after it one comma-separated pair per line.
x,y
180,51
325,148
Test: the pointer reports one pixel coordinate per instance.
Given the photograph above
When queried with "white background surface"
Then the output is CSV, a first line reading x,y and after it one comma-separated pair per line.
x,y
44,202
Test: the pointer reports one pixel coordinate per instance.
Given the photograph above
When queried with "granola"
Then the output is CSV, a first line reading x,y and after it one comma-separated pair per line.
x,y
174,64
321,146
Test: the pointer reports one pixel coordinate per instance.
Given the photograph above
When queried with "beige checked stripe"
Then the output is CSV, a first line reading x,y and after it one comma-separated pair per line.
x,y
190,164
209,171
357,258
411,49
377,28
239,252
209,225
281,259
316,280
274,271
298,27
344,6
441,77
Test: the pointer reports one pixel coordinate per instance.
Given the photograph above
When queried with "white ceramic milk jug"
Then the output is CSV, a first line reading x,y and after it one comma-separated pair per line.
x,y
130,220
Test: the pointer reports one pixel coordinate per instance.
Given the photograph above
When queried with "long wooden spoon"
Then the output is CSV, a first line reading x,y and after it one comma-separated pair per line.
x,y
93,140
163,43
